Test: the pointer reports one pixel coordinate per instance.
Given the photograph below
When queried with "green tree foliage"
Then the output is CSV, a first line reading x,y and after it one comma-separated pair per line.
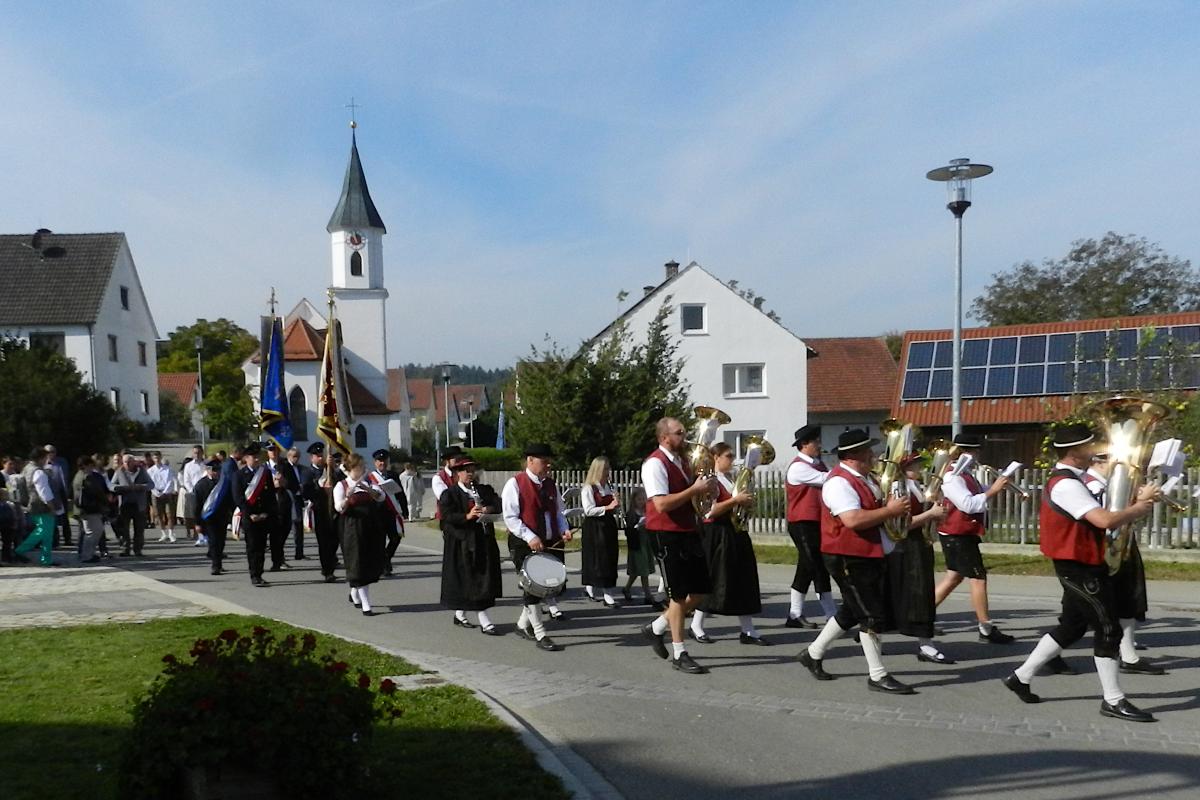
x,y
228,411
1115,276
45,400
226,407
603,401
175,419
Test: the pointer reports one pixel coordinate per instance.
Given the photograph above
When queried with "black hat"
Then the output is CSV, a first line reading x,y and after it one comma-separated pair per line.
x,y
269,445
381,454
451,451
337,455
252,449
539,450
213,464
854,439
807,434
968,440
462,462
1070,435
316,449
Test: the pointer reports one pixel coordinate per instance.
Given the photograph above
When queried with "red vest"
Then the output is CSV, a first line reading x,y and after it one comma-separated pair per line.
x,y
956,522
602,500
804,501
1064,537
536,502
722,495
916,505
836,538
681,519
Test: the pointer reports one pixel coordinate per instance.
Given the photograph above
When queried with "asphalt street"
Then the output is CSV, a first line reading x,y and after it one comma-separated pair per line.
x,y
758,721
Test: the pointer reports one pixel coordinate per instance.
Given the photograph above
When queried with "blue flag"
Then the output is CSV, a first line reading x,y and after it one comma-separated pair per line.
x,y
500,427
274,419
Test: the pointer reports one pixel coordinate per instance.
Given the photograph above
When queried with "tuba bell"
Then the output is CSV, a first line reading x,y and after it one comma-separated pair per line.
x,y
699,452
759,453
890,473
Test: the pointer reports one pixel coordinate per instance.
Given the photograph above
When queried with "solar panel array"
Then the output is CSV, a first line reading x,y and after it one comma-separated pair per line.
x,y
1057,363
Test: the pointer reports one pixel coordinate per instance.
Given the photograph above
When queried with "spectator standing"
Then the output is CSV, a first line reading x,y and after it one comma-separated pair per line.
x,y
414,490
91,500
132,485
189,476
164,492
43,508
59,473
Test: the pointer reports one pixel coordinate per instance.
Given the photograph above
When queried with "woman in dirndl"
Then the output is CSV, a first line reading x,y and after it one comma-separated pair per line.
x,y
470,558
362,537
601,507
639,551
732,566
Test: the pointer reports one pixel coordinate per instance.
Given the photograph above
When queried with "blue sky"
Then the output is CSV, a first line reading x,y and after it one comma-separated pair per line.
x,y
532,159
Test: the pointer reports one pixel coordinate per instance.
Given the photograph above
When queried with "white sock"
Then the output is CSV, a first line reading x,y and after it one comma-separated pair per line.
x,y
873,650
354,595
826,637
1108,669
662,584
1046,649
484,620
698,623
797,609
362,596
608,595
985,628
1128,643
748,625
928,648
552,607
678,648
523,620
827,604
535,619
589,591
659,626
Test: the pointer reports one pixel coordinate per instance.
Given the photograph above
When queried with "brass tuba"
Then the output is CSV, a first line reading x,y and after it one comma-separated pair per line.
x,y
699,452
759,453
1127,423
941,453
892,479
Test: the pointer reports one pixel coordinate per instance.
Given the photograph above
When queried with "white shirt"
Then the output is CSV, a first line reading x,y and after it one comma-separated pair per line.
x,y
41,485
803,472
438,484
1095,482
654,474
510,499
954,489
163,478
1072,496
839,496
588,501
340,497
193,471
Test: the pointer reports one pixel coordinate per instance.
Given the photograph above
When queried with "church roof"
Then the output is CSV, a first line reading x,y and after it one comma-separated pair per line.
x,y
55,278
355,209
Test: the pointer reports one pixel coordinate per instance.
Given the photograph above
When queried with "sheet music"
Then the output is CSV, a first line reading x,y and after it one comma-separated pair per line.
x,y
963,464
1011,469
388,487
1167,457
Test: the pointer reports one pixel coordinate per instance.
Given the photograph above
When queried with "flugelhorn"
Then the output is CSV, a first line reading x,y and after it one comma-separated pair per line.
x,y
699,452
759,453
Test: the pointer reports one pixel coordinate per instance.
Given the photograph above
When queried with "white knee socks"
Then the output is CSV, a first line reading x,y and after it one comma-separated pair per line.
x,y
660,626
364,599
1128,643
826,637
1046,649
874,652
534,618
353,594
1108,669
797,608
484,620
747,622
698,623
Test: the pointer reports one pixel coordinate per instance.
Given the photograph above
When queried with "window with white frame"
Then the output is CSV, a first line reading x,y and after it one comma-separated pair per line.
x,y
743,379
737,439
693,318
145,402
114,397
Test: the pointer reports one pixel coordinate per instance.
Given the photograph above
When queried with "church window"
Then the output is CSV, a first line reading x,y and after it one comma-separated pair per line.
x,y
298,412
360,432
356,264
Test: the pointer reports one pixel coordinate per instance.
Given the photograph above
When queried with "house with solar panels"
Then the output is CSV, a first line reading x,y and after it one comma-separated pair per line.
x,y
1016,378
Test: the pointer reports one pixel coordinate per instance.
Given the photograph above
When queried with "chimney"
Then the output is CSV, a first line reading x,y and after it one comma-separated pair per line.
x,y
672,269
646,290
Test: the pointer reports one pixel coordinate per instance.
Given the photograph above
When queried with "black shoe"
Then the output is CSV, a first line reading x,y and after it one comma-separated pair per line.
x,y
656,641
685,664
331,579
491,630
703,638
216,571
1021,690
940,658
1059,666
939,632
1142,667
259,582
353,602
996,637
92,560
746,638
655,604
526,633
1127,711
274,568
464,623
889,685
813,665
628,597
299,558
799,622
368,612
547,644
122,554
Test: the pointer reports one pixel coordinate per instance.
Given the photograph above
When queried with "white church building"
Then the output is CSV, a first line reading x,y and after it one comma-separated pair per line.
x,y
378,394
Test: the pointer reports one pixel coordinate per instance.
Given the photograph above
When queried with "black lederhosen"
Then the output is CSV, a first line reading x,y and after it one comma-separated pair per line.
x,y
1088,602
1129,586
684,567
810,567
963,556
863,584
519,550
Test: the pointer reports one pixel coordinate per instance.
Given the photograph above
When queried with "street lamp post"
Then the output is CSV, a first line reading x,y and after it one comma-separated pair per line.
x,y
200,384
958,176
446,397
470,404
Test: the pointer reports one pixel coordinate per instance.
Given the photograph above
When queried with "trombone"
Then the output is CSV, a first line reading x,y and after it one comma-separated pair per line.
x,y
991,474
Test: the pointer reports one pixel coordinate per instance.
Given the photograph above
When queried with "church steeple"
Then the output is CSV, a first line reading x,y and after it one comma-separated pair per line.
x,y
355,209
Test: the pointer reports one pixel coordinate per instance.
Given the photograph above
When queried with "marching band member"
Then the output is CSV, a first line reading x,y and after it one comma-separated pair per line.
x,y
315,489
671,524
471,579
1072,533
255,498
805,477
853,544
910,571
601,507
533,513
443,479
732,567
355,498
393,509
960,532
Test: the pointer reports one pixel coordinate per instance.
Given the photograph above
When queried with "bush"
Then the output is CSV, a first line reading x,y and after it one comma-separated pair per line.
x,y
491,458
240,704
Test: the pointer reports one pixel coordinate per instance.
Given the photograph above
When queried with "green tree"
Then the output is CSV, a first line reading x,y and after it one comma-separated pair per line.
x,y
229,412
226,407
175,418
45,399
1112,277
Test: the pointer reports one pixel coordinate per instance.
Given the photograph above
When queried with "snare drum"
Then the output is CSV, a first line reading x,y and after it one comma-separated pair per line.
x,y
542,576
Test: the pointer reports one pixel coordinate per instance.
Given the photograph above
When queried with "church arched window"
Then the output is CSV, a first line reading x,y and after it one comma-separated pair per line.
x,y
360,434
356,264
298,413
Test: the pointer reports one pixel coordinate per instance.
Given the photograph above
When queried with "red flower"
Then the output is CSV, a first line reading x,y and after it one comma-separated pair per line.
x,y
205,704
229,635
260,631
339,667
169,659
309,641
387,686
364,680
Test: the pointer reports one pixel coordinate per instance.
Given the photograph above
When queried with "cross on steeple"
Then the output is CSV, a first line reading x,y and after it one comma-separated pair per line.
x,y
353,107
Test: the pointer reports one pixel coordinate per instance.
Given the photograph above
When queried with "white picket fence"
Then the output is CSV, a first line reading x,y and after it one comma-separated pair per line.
x,y
1012,520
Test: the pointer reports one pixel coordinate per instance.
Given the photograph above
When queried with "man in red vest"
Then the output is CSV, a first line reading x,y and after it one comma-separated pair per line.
x,y
964,525
853,547
1072,533
671,524
805,477
443,479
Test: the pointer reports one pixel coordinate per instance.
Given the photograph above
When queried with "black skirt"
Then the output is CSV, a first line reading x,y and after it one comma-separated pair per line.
x,y
362,546
732,569
910,587
471,579
600,551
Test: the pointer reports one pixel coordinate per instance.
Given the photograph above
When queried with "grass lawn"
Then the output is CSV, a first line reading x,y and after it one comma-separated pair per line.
x,y
68,693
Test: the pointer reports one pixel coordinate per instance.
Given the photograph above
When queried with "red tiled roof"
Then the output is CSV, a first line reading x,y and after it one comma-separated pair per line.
x,y
850,374
420,394
396,385
180,384
474,393
301,342
362,401
1069,326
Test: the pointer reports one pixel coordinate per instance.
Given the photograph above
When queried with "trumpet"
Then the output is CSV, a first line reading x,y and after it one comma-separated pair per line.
x,y
990,474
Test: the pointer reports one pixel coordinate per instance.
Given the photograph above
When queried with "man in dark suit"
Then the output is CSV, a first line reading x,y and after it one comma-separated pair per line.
x,y
318,491
214,525
394,508
255,498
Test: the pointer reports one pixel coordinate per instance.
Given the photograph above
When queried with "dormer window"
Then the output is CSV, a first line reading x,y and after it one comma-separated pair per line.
x,y
356,264
125,297
692,319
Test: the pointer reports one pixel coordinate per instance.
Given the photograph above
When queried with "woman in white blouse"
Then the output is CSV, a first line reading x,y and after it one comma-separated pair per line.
x,y
362,537
601,507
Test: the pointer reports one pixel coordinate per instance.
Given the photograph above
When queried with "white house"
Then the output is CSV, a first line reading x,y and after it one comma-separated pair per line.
x,y
378,394
79,294
736,358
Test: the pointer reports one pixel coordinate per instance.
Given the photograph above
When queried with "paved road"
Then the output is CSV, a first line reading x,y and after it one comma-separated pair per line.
x,y
758,721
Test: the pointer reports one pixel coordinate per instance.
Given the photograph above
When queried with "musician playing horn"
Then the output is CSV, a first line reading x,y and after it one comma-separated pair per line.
x,y
805,477
910,571
853,512
471,579
671,524
1073,529
533,512
965,524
